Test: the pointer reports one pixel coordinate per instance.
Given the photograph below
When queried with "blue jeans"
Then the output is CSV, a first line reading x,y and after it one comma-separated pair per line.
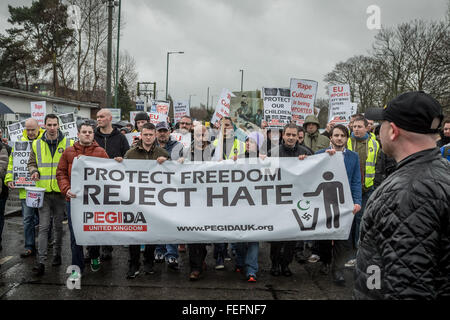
x,y
358,216
247,255
2,216
169,250
30,220
77,251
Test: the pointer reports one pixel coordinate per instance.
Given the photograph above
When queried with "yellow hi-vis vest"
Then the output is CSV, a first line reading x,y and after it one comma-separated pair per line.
x,y
237,149
372,152
47,164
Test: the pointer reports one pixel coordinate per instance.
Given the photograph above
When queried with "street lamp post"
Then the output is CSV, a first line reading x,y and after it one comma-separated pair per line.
x,y
167,74
242,78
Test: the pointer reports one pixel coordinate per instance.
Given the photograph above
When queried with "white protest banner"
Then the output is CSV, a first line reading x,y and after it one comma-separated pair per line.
x,y
303,97
143,202
38,111
277,107
156,117
20,155
15,131
68,125
116,114
340,109
223,106
130,137
180,109
184,138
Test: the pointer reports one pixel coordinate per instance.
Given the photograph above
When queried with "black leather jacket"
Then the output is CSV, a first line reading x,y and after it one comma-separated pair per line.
x,y
405,232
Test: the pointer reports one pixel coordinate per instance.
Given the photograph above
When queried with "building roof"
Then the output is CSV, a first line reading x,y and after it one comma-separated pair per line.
x,y
36,96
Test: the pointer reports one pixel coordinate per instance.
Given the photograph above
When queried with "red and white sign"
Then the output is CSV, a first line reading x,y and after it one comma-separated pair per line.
x,y
340,109
156,117
303,97
38,112
223,106
184,138
180,109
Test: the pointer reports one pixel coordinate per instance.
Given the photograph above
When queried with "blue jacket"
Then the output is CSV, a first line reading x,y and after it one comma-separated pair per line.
x,y
351,161
445,151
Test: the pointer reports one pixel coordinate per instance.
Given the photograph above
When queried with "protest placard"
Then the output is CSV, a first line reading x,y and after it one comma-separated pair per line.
x,y
15,131
156,117
131,136
247,109
143,202
340,109
303,97
116,114
38,111
68,125
223,106
20,155
184,138
158,106
277,107
180,109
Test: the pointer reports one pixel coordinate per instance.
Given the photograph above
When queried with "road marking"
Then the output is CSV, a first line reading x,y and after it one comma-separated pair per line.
x,y
5,259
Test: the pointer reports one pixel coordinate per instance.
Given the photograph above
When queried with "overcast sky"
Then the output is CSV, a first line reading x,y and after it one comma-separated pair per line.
x,y
272,40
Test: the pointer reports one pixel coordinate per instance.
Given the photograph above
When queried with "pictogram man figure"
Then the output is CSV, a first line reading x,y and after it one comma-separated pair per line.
x,y
333,194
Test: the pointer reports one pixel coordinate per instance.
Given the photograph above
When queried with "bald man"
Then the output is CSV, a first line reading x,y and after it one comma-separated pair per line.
x,y
30,133
115,145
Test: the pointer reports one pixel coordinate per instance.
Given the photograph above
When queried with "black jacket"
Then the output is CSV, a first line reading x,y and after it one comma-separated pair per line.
x,y
115,143
405,232
285,151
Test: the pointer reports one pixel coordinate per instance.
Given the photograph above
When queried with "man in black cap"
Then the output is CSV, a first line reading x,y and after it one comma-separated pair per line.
x,y
175,151
404,250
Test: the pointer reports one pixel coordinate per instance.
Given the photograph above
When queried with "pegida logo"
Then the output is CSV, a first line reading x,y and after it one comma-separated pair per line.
x,y
114,221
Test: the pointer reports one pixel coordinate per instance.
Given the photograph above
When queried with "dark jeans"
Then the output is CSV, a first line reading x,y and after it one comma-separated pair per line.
x,y
77,251
2,216
135,254
282,252
197,255
220,250
336,255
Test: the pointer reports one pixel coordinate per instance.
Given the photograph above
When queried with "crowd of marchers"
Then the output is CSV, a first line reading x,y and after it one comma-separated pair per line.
x,y
397,171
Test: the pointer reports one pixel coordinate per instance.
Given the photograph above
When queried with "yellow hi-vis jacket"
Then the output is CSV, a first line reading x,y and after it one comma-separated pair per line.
x,y
47,164
237,149
9,173
373,148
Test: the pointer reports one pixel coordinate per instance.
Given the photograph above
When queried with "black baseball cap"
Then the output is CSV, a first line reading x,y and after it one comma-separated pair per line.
x,y
162,126
414,111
